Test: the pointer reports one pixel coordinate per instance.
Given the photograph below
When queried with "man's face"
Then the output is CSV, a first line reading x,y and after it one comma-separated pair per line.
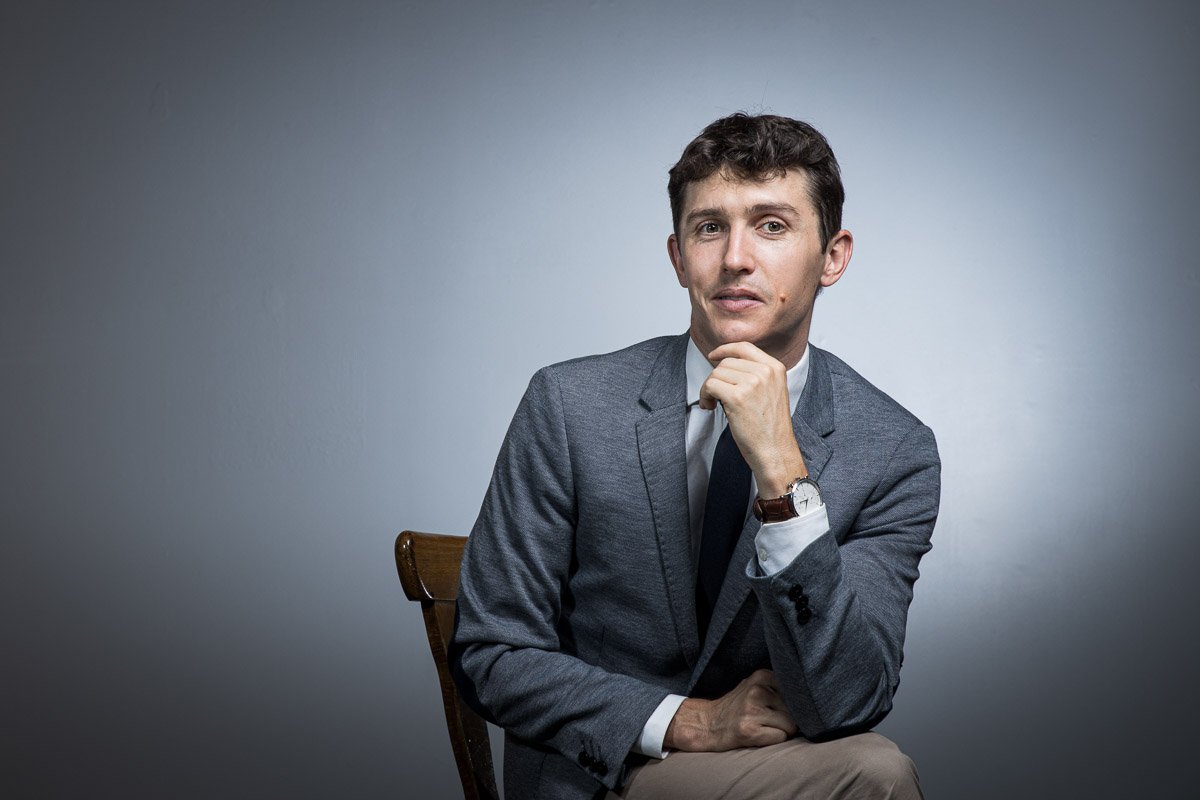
x,y
749,254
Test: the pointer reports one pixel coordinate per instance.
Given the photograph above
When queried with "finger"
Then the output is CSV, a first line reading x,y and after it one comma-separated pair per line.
x,y
730,373
713,392
782,721
745,350
771,713
723,388
761,694
767,735
752,380
741,367
777,717
763,689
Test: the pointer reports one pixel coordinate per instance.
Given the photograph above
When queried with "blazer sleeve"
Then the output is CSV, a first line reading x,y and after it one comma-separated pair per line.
x,y
506,655
835,617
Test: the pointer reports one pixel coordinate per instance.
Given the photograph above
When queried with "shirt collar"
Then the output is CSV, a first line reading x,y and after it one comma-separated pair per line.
x,y
698,370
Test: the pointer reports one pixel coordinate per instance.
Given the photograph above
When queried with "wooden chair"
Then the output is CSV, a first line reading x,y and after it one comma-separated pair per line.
x,y
428,566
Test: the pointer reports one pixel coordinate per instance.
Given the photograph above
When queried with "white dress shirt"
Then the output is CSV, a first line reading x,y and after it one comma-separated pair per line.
x,y
777,543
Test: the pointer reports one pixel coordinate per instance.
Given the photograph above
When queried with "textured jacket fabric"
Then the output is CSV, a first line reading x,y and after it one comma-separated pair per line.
x,y
576,611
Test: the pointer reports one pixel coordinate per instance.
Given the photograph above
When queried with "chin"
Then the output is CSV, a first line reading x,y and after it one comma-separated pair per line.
x,y
741,334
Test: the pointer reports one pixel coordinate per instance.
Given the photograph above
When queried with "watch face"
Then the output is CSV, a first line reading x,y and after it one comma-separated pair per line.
x,y
805,496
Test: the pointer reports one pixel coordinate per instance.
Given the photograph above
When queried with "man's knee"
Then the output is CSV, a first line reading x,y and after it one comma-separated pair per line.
x,y
873,767
863,767
889,773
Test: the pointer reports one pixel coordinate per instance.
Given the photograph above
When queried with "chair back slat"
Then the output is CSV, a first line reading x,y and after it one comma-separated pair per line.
x,y
428,564
428,567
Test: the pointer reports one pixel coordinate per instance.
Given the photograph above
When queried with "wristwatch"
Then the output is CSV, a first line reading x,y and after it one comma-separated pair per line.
x,y
801,495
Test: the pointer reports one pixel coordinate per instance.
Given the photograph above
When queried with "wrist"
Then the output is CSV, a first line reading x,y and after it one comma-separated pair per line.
x,y
778,477
687,730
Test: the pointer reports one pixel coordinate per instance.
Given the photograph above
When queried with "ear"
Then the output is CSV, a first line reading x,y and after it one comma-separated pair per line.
x,y
676,259
837,257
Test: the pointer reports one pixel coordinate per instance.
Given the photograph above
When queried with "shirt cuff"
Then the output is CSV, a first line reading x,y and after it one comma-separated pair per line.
x,y
778,543
650,743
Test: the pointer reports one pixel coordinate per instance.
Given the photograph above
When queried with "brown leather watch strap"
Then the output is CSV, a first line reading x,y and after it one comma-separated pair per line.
x,y
776,510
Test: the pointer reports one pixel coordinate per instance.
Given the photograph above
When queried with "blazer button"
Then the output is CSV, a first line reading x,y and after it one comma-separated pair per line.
x,y
804,615
795,593
585,759
802,601
601,768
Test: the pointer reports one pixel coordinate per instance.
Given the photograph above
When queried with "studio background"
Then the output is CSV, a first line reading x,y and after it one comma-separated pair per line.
x,y
275,275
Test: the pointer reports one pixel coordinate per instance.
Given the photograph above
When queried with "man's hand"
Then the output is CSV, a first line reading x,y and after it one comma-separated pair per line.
x,y
752,388
752,715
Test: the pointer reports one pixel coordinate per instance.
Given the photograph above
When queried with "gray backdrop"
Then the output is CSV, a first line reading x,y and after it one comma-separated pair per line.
x,y
276,274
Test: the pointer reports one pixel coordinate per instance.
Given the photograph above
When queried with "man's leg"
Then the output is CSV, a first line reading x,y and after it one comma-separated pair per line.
x,y
867,766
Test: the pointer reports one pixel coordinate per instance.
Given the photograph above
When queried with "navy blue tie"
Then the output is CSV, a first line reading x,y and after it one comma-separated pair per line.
x,y
724,515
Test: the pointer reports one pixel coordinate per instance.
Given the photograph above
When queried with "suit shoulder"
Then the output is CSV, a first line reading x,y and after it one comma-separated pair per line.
x,y
861,402
614,373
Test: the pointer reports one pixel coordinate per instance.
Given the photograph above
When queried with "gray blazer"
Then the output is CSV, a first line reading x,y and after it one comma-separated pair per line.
x,y
576,610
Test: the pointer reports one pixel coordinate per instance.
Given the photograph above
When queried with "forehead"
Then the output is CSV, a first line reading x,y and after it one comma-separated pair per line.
x,y
731,194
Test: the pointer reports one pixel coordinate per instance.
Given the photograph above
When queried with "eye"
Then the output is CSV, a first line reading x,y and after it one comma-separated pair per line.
x,y
710,227
774,226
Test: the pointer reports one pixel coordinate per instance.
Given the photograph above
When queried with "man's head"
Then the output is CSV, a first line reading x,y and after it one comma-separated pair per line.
x,y
757,205
757,148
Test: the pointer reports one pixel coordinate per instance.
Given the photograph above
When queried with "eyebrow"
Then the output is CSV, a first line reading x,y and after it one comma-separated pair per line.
x,y
782,209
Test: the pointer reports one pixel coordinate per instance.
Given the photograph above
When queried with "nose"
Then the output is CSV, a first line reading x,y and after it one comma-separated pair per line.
x,y
739,255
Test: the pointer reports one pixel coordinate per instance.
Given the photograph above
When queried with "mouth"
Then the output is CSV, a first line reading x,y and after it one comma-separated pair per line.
x,y
736,298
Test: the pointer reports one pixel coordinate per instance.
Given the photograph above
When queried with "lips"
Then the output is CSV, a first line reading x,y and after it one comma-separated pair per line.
x,y
736,298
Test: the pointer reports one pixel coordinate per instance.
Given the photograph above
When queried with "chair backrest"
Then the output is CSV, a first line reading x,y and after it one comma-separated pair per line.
x,y
428,566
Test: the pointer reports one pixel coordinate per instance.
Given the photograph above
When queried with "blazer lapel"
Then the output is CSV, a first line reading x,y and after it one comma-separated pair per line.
x,y
812,420
661,437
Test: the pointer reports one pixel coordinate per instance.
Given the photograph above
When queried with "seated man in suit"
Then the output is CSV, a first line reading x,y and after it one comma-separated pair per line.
x,y
691,573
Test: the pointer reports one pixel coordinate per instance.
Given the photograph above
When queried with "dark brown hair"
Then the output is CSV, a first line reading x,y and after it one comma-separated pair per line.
x,y
760,148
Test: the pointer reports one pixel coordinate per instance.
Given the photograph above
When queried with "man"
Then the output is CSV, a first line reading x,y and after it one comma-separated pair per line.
x,y
623,613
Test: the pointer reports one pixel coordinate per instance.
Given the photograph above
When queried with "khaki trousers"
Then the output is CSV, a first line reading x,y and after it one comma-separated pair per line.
x,y
866,766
